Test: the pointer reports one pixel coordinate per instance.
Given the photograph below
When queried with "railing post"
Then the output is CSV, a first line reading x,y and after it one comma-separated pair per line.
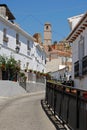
x,y
62,96
54,100
46,93
45,90
68,108
77,108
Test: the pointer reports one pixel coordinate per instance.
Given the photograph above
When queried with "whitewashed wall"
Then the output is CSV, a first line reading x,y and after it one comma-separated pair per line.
x,y
40,57
80,83
8,48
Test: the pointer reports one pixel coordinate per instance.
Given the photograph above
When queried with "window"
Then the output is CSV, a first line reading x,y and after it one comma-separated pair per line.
x,y
50,57
42,58
17,39
17,43
80,53
84,65
28,45
63,60
27,65
43,70
5,38
76,69
45,61
4,32
49,48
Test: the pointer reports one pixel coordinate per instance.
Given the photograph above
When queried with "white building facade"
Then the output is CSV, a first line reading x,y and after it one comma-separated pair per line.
x,y
15,42
39,58
78,37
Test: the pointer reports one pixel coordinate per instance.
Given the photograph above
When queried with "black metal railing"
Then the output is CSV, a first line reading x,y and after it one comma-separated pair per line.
x,y
69,103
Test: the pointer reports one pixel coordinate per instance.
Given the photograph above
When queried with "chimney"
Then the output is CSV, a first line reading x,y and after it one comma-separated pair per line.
x,y
6,13
3,11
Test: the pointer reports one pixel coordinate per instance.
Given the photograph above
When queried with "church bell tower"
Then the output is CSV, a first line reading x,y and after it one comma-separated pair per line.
x,y
47,34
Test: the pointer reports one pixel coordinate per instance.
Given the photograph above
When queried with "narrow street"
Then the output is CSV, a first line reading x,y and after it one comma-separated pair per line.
x,y
24,113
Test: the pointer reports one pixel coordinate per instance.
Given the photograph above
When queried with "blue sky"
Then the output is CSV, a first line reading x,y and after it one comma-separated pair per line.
x,y
31,15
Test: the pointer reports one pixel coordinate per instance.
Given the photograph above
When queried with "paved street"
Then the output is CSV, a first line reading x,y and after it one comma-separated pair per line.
x,y
24,113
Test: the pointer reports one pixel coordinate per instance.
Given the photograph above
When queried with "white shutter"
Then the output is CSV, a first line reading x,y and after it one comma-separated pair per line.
x,y
80,53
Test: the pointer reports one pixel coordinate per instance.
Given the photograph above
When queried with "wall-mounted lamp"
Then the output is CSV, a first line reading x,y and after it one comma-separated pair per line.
x,y
17,49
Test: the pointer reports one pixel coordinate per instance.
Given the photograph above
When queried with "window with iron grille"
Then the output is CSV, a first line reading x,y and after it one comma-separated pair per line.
x,y
84,65
28,45
76,69
5,38
17,39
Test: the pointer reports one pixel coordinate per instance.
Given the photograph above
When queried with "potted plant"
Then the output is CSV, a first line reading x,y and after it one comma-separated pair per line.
x,y
38,74
35,71
30,70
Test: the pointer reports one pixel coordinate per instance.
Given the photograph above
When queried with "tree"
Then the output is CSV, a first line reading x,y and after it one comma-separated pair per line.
x,y
3,61
13,68
9,67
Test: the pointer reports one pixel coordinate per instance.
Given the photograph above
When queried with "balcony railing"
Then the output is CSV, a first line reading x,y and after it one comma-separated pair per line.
x,y
18,42
5,39
69,104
